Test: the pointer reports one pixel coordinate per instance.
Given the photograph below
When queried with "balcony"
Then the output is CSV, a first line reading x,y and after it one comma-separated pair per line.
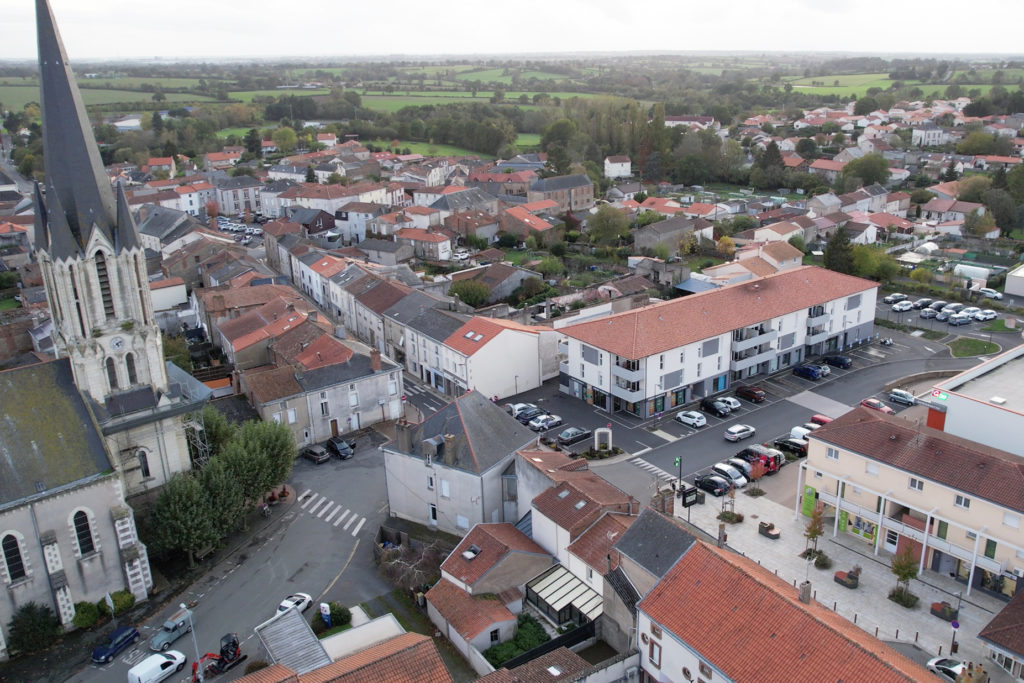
x,y
736,365
754,339
628,395
627,373
818,320
815,336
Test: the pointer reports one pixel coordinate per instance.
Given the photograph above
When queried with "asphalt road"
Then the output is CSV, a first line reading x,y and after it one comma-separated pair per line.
x,y
321,545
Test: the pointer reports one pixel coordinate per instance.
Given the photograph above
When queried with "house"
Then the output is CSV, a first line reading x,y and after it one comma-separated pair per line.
x,y
219,304
759,607
468,621
353,219
473,223
313,221
246,340
493,558
1004,635
928,134
617,167
415,329
671,233
385,252
164,164
166,230
219,161
238,195
623,191
823,204
958,515
827,169
446,472
467,199
520,222
272,234
562,513
502,279
187,262
761,326
426,244
944,210
571,192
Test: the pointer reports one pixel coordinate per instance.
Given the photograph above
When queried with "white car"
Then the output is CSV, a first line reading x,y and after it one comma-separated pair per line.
x,y
733,403
738,432
461,255
902,306
300,601
544,422
990,293
971,311
949,669
987,314
691,418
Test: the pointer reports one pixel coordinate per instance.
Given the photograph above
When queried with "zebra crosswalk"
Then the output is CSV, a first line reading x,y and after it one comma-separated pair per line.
x,y
653,469
330,512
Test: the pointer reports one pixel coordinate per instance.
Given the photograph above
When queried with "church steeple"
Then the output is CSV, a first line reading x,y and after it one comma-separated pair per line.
x,y
74,170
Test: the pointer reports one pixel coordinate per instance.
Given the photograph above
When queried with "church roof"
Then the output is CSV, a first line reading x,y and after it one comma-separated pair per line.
x,y
48,435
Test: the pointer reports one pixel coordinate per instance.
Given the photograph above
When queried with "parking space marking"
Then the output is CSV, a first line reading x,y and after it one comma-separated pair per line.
x,y
325,509
359,526
342,518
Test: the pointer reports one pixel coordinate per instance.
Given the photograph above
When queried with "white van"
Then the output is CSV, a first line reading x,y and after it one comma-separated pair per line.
x,y
799,433
158,667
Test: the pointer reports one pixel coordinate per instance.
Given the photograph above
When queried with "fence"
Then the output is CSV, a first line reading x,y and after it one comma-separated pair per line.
x,y
573,637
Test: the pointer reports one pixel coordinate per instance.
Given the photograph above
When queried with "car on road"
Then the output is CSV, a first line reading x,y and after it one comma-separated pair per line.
x,y
902,306
947,668
987,314
751,393
714,484
542,423
938,305
691,418
118,639
177,625
715,407
529,414
990,293
843,362
894,297
901,396
158,667
724,469
730,401
796,447
807,371
342,447
928,313
739,432
922,303
300,601
316,453
572,435
971,311
875,404
958,319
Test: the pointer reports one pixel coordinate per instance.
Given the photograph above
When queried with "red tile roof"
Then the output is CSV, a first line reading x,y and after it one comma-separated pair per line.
x,y
328,265
273,384
668,325
166,282
418,235
323,352
495,542
577,503
751,625
469,615
1006,629
408,658
595,544
528,219
539,205
828,165
477,331
7,228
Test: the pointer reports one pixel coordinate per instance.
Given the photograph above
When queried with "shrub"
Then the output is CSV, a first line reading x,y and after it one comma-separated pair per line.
x,y
340,616
123,601
529,635
32,628
86,614
730,517
255,666
903,597
822,561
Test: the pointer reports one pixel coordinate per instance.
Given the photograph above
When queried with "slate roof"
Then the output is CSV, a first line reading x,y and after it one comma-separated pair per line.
x,y
434,323
484,433
744,606
667,325
623,587
1006,629
467,200
561,182
240,182
167,224
49,436
984,472
374,244
495,542
469,615
654,542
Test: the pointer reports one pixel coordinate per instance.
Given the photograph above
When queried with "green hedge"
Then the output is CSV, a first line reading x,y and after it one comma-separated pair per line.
x,y
86,614
340,616
123,601
529,634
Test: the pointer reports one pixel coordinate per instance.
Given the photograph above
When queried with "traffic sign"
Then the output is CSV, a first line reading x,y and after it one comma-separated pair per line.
x,y
955,624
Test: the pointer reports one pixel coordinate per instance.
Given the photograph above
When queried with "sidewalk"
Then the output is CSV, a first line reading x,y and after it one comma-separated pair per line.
x,y
868,605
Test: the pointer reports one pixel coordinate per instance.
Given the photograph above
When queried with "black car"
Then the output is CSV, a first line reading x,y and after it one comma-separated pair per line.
x,y
715,407
529,414
797,447
119,639
713,484
752,394
938,305
923,303
843,362
343,448
316,453
573,435
943,316
895,297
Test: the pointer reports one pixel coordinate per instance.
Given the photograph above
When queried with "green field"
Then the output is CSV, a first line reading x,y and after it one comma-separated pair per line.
x,y
136,83
247,95
499,75
240,131
15,97
428,149
528,140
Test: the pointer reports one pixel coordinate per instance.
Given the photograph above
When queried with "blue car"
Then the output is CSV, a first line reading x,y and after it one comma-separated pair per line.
x,y
807,371
119,639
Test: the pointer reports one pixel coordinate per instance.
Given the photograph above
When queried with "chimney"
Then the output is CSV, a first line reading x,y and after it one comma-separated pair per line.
x,y
805,592
449,449
403,435
375,360
311,316
290,306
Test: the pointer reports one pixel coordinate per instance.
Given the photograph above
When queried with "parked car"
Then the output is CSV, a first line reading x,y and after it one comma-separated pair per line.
x,y
825,370
177,625
901,396
771,458
947,668
958,319
807,371
158,667
714,484
542,423
971,311
691,418
944,316
820,419
118,639
800,432
875,404
316,453
894,297
954,307
733,404
797,447
461,255
573,435
515,409
300,601
928,313
342,447
724,469
922,303
742,465
714,407
738,432
938,305
844,362
902,306
529,414
751,393
989,293
987,314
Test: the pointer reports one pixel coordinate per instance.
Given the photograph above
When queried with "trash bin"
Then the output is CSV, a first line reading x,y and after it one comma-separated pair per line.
x,y
700,497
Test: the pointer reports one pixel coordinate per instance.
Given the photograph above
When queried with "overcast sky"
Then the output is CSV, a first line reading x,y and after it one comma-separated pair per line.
x,y
120,29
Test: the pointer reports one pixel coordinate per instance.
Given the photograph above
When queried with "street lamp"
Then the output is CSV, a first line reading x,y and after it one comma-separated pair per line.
x,y
192,628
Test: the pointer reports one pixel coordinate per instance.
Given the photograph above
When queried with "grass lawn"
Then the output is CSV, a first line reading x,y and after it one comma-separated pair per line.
x,y
528,140
499,76
849,84
8,304
962,347
247,95
15,97
998,325
428,149
240,131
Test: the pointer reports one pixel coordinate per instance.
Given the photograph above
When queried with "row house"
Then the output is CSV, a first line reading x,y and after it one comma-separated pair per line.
x,y
944,210
359,300
650,360
165,164
352,219
272,234
314,272
470,199
270,197
523,224
388,224
426,244
194,197
187,262
296,174
216,305
220,161
246,340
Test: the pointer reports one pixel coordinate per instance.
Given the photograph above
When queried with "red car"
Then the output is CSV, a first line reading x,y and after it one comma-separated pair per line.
x,y
875,404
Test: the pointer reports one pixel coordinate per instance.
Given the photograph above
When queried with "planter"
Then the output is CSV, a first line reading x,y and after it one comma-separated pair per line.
x,y
768,529
847,579
943,610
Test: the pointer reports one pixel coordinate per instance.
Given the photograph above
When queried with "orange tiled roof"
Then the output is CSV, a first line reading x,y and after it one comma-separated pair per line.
x,y
467,614
477,331
323,352
540,205
594,545
495,541
576,503
328,265
408,658
166,282
527,218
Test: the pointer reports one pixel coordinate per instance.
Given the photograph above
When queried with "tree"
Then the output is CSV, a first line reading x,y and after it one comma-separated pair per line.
x,y
410,567
33,627
182,518
550,266
807,148
157,124
310,175
865,105
558,132
976,143
276,446
608,225
227,505
471,292
219,432
726,248
1002,207
904,566
869,169
839,252
971,188
922,275
978,224
1015,183
921,196
647,217
285,139
335,179
176,351
253,142
798,242
249,470
815,528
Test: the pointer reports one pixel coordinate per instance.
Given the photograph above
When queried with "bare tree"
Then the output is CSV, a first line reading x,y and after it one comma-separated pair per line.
x,y
412,567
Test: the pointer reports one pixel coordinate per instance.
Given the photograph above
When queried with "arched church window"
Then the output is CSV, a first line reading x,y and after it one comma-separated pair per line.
x,y
78,300
12,556
111,373
83,532
129,361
